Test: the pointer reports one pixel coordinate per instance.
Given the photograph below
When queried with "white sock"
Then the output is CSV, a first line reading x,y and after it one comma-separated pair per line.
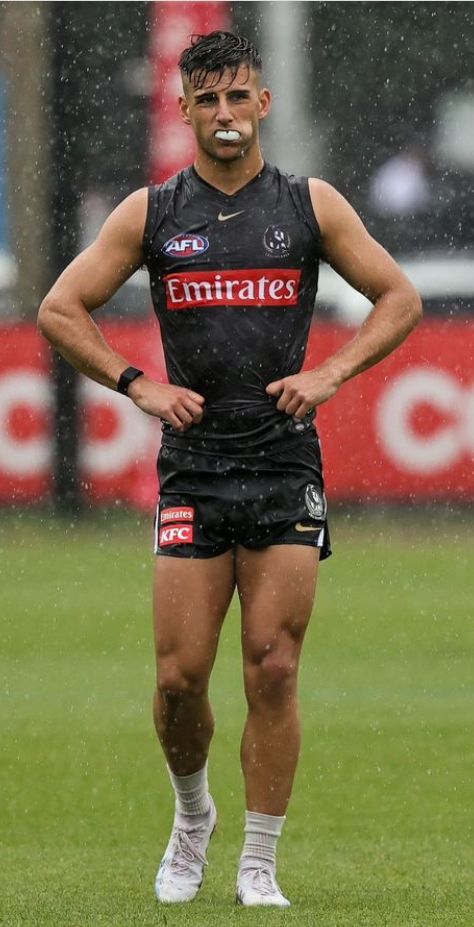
x,y
261,835
192,792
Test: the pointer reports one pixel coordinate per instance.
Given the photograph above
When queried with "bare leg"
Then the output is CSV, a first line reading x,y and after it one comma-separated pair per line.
x,y
276,588
191,599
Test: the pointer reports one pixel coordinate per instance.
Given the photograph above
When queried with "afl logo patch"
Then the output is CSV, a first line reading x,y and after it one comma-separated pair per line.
x,y
276,241
315,502
183,246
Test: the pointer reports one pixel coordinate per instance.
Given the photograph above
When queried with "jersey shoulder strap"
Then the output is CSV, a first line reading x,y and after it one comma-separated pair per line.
x,y
160,201
299,192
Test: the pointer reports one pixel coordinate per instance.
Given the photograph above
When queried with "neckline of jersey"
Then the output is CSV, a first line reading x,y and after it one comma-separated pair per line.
x,y
229,196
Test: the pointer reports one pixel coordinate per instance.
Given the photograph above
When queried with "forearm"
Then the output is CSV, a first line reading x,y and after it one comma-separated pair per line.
x,y
68,326
73,333
393,317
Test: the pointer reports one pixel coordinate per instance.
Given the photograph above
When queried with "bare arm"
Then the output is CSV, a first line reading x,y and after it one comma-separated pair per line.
x,y
89,281
357,257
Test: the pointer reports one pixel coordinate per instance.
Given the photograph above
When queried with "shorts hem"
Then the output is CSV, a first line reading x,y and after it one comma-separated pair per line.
x,y
325,553
194,554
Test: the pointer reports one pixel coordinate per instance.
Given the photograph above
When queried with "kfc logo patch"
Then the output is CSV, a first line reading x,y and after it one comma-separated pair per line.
x,y
176,534
176,514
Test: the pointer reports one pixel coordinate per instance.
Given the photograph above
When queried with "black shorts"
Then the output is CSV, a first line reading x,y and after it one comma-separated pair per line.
x,y
208,504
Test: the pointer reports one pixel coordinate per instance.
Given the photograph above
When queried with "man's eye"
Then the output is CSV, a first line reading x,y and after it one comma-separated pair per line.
x,y
206,99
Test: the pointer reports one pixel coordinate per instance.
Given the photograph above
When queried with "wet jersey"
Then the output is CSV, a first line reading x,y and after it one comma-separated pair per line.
x,y
233,282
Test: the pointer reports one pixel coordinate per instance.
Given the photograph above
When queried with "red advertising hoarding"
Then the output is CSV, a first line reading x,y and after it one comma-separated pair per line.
x,y
405,428
26,416
401,431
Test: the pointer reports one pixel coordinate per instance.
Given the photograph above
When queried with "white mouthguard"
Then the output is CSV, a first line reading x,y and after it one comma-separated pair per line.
x,y
229,135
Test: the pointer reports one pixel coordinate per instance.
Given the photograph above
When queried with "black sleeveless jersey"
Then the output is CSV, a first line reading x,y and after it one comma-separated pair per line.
x,y
233,283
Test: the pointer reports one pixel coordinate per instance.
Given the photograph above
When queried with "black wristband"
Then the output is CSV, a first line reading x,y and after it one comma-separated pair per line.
x,y
127,377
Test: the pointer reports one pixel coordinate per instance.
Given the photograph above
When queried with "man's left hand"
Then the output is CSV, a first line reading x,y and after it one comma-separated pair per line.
x,y
303,391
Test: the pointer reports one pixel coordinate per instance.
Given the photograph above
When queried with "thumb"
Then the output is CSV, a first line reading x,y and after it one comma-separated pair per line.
x,y
275,388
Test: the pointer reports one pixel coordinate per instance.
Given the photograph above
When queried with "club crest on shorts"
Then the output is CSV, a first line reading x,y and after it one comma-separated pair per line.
x,y
315,502
276,241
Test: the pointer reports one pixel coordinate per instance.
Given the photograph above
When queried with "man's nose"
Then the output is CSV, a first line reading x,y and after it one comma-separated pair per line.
x,y
224,114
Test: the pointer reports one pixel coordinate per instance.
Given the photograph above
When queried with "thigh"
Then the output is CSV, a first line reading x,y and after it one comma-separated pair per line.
x,y
191,598
276,587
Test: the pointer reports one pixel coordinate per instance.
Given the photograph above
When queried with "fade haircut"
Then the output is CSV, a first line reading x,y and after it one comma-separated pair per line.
x,y
216,53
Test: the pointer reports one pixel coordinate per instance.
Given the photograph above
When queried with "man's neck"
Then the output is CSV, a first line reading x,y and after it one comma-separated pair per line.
x,y
229,176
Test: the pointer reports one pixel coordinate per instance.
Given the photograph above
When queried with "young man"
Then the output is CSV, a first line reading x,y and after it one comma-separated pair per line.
x,y
232,246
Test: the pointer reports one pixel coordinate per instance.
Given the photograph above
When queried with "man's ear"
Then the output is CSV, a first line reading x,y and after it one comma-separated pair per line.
x,y
265,102
184,110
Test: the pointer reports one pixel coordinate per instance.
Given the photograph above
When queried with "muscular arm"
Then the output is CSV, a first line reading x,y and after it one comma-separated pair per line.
x,y
89,281
357,257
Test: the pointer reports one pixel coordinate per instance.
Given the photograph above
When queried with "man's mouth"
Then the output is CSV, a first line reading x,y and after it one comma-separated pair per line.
x,y
227,135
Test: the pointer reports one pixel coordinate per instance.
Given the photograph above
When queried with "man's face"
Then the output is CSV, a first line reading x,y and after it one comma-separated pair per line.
x,y
233,107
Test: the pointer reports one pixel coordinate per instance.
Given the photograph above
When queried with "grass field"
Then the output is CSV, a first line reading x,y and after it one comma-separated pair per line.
x,y
380,830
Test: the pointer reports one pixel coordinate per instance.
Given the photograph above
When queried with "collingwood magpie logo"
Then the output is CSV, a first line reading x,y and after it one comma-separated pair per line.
x,y
315,502
276,241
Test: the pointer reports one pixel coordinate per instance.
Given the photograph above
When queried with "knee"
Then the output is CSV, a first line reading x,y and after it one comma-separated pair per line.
x,y
177,682
271,677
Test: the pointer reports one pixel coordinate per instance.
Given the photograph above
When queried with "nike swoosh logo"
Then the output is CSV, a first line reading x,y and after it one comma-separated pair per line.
x,y
300,527
231,215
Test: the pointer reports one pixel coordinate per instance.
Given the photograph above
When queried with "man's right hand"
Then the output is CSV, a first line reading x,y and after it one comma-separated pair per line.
x,y
177,405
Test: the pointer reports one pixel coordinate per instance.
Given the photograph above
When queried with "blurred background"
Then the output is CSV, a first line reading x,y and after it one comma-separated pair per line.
x,y
378,99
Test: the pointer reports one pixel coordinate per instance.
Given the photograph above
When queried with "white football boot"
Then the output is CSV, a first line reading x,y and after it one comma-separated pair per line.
x,y
257,885
181,871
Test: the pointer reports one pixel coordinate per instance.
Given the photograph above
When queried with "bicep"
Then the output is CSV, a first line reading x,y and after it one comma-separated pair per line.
x,y
349,248
98,272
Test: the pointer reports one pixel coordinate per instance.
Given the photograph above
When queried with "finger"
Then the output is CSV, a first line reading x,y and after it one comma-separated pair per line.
x,y
292,406
302,410
184,416
196,397
275,388
194,409
283,401
172,420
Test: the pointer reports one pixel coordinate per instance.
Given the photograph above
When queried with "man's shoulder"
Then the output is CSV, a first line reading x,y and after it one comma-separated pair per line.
x,y
129,215
322,186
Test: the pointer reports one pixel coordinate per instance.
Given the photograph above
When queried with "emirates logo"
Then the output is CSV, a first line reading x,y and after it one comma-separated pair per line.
x,y
259,287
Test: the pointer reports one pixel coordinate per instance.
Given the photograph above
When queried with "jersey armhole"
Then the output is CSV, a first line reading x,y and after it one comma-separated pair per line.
x,y
148,223
156,209
301,185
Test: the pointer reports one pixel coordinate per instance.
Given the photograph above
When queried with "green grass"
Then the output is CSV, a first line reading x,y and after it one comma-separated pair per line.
x,y
380,826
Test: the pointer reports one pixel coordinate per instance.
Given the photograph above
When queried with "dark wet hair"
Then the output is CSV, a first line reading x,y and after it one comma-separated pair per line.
x,y
215,53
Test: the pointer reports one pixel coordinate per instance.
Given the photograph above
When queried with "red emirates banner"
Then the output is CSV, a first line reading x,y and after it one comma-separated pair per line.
x,y
403,430
173,24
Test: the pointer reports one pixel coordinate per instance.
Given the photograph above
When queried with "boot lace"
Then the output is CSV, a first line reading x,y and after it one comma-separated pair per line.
x,y
185,851
262,878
